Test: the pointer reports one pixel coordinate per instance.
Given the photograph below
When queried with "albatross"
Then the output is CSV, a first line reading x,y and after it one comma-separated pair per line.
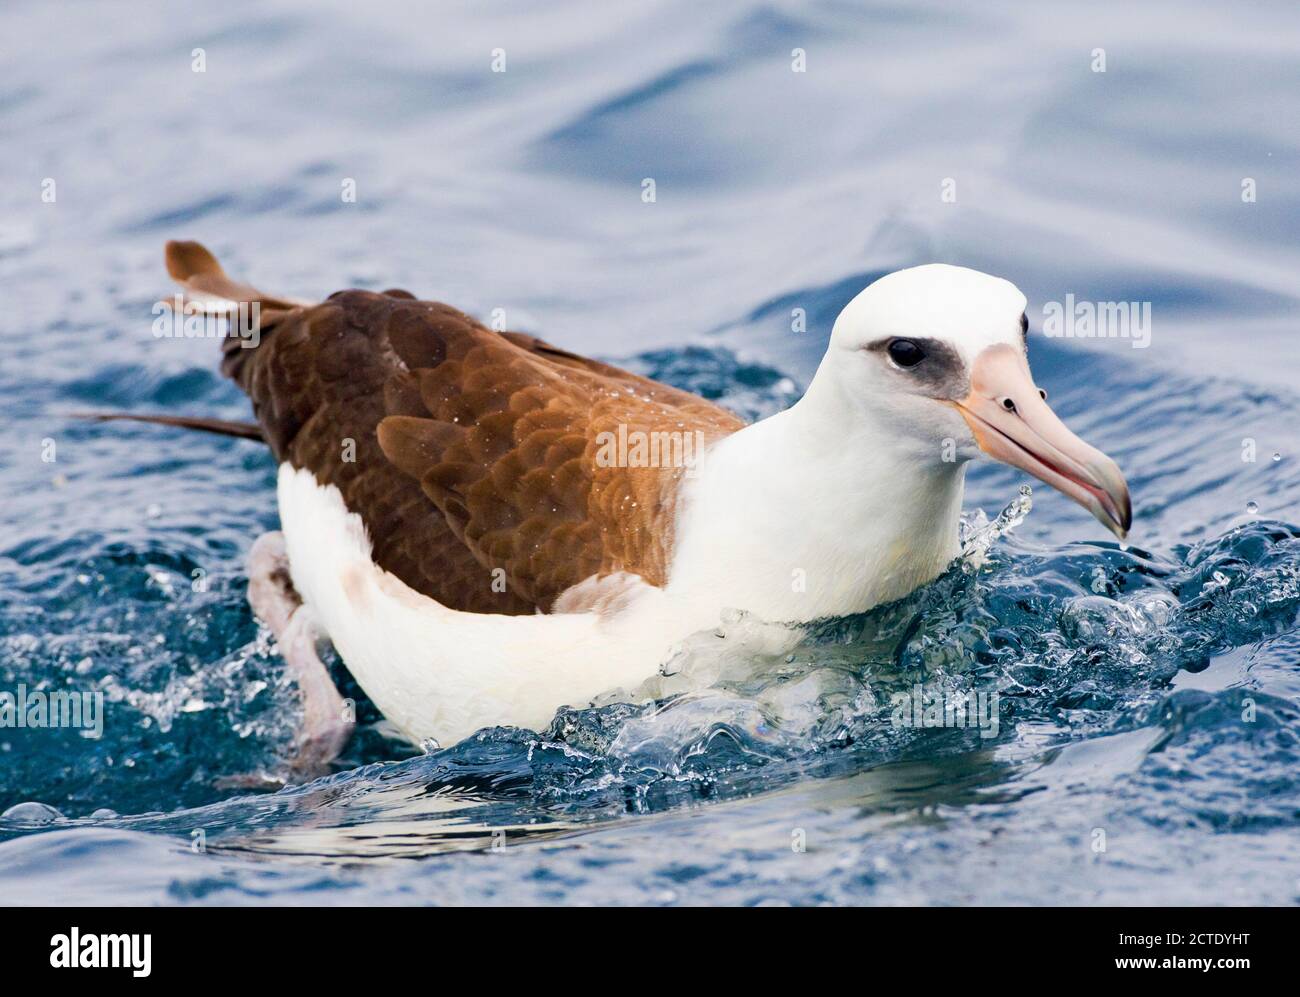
x,y
455,522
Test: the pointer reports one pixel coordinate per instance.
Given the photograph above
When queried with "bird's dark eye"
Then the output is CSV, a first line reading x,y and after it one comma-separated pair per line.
x,y
905,353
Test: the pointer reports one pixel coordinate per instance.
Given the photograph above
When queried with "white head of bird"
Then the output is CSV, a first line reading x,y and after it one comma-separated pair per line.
x,y
855,492
937,357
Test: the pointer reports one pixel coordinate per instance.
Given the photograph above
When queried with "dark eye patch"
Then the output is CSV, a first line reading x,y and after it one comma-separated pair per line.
x,y
942,374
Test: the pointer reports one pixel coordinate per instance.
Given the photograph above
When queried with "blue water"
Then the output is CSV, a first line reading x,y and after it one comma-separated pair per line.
x,y
1149,750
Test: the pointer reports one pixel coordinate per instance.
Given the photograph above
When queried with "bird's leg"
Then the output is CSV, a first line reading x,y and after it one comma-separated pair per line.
x,y
327,717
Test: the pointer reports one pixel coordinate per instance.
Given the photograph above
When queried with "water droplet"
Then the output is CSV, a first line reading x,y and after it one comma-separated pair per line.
x,y
1026,491
32,813
1252,507
1277,456
153,510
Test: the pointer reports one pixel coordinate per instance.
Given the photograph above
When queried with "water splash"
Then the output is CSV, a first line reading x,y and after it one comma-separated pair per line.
x,y
978,534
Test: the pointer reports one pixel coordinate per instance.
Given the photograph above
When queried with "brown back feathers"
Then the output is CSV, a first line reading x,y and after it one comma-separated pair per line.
x,y
478,460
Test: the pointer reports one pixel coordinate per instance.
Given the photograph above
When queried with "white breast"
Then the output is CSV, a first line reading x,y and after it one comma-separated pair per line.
x,y
794,525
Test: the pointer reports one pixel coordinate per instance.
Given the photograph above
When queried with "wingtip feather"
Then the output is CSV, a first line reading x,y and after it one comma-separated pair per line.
x,y
190,259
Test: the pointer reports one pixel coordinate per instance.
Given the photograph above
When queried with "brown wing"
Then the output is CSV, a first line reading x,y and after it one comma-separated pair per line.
x,y
473,457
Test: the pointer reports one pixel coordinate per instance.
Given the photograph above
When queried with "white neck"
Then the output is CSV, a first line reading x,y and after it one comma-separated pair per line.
x,y
809,514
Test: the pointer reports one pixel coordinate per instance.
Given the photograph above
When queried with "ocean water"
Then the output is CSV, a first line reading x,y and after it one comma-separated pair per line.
x,y
1148,745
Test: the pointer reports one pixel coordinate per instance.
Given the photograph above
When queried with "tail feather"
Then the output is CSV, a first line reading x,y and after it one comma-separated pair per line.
x,y
210,290
197,270
222,427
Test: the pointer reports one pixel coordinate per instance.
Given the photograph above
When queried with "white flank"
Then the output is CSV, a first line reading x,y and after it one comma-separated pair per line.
x,y
436,672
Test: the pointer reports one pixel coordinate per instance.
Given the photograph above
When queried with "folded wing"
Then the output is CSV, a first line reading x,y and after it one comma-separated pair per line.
x,y
493,471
